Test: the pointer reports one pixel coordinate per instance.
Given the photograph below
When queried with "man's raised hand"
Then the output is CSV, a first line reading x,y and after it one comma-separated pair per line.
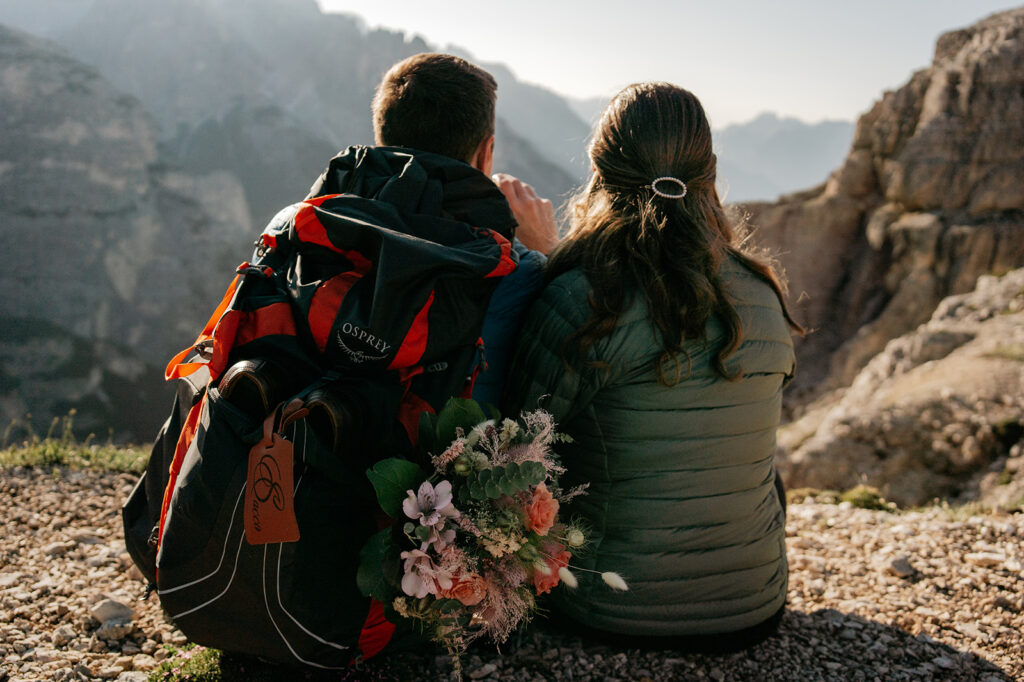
x,y
536,216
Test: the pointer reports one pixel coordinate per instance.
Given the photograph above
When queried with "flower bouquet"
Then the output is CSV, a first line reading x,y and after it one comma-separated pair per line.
x,y
477,537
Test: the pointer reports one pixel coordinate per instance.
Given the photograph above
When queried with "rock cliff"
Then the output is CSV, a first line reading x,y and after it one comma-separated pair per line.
x,y
929,198
106,247
939,413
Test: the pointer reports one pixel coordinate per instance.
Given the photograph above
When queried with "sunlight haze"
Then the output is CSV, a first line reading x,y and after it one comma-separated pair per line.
x,y
810,60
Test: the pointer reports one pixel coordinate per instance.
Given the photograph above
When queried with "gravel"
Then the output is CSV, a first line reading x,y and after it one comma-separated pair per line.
x,y
874,595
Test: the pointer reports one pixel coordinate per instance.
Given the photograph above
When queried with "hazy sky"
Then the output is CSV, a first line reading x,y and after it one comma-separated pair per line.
x,y
811,59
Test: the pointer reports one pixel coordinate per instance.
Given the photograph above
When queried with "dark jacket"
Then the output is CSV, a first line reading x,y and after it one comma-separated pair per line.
x,y
682,501
504,318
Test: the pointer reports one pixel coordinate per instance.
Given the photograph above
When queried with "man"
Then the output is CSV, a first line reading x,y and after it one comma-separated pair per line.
x,y
399,219
443,104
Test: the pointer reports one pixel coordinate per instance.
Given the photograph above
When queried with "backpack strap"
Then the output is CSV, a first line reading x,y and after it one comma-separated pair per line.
x,y
177,367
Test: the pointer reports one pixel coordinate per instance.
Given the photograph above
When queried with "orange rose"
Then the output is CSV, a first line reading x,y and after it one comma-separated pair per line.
x,y
468,588
543,583
541,512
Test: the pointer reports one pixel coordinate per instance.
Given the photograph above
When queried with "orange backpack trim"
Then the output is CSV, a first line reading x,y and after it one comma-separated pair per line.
x,y
185,438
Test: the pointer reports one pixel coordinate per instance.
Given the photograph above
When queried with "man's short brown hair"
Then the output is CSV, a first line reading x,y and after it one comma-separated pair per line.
x,y
436,103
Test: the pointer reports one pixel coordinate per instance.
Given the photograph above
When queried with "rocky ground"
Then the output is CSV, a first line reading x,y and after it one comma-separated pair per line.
x,y
875,595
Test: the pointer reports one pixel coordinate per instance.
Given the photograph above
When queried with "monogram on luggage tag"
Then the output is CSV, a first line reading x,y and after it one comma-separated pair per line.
x,y
269,489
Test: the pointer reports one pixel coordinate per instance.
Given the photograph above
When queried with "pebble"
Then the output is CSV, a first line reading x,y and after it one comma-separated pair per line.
x,y
985,559
62,635
111,611
483,671
901,567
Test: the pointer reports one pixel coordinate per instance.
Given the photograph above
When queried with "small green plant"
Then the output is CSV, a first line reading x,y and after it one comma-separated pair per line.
x,y
59,447
798,495
1005,477
1011,351
865,497
192,663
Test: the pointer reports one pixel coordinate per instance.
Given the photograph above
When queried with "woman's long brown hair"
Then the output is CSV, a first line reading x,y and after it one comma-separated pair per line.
x,y
627,240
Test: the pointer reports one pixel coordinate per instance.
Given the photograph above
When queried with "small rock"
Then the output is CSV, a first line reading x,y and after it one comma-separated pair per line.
x,y
113,631
109,673
62,635
57,548
483,671
84,670
985,559
160,654
132,676
143,662
8,579
970,630
944,662
901,567
717,675
124,663
110,611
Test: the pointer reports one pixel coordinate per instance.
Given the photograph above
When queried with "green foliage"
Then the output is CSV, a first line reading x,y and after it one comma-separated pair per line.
x,y
193,663
865,497
798,495
458,413
1011,351
59,447
1005,477
504,480
371,577
391,479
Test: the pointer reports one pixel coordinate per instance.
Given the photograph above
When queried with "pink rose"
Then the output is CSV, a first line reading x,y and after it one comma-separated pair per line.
x,y
468,588
541,511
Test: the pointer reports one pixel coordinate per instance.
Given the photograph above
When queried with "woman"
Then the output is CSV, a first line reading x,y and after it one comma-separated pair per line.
x,y
661,345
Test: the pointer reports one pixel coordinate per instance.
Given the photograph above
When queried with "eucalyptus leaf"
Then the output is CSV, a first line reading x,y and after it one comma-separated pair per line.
x,y
391,479
493,491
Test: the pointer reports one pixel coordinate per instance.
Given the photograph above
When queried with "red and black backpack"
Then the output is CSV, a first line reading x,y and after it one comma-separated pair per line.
x,y
373,289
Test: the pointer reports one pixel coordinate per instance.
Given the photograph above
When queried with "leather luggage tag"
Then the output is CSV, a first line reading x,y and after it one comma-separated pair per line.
x,y
269,489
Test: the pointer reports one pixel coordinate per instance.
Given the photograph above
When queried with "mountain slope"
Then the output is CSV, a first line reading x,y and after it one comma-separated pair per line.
x,y
106,247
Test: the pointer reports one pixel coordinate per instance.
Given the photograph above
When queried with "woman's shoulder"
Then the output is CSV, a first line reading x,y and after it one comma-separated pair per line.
x,y
747,288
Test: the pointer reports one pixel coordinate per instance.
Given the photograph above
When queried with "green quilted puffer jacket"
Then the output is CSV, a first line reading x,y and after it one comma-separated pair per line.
x,y
682,501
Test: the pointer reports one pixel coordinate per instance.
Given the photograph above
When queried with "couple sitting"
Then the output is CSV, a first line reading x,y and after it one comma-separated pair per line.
x,y
656,339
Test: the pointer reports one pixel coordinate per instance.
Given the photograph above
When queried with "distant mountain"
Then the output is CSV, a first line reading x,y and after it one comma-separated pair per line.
x,y
766,157
589,108
769,155
296,82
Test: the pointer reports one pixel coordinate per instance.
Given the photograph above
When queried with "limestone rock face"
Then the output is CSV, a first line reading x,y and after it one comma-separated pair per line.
x,y
930,198
938,413
112,260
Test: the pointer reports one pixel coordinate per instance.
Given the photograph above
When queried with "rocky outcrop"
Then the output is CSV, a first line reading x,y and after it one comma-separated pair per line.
x,y
929,199
113,259
939,413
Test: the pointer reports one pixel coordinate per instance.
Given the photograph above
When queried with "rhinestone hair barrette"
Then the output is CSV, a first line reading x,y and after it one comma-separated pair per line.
x,y
669,195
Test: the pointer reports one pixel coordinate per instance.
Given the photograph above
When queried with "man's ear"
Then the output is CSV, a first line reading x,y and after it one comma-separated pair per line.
x,y
483,157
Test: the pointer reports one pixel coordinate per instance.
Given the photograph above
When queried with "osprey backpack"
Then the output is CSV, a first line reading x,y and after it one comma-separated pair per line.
x,y
360,310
